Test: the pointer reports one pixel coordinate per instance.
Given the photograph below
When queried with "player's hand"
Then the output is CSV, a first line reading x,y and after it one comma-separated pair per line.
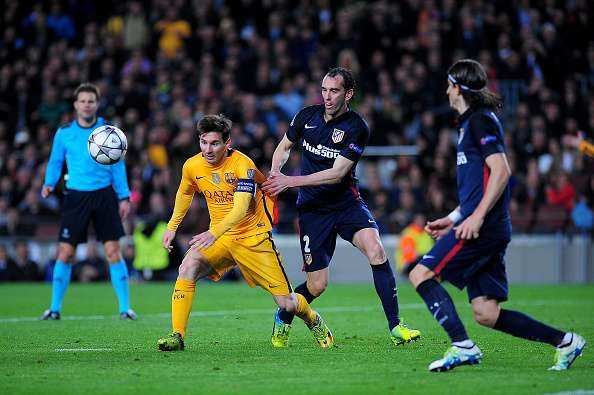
x,y
46,190
203,240
439,227
571,140
168,237
276,183
274,173
469,228
124,208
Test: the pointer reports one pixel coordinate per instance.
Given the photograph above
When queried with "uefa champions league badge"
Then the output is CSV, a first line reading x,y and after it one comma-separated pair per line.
x,y
251,173
216,178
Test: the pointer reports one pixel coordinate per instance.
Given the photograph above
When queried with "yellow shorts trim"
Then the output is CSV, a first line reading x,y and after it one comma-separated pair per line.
x,y
257,258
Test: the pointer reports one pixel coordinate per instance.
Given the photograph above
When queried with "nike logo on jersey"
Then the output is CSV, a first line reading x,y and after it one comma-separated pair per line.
x,y
272,286
428,257
371,221
310,127
199,177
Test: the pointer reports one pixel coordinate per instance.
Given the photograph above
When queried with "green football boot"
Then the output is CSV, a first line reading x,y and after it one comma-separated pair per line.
x,y
280,332
321,333
173,342
401,334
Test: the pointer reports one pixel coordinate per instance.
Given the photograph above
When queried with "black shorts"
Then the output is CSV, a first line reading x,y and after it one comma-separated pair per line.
x,y
478,265
80,207
318,230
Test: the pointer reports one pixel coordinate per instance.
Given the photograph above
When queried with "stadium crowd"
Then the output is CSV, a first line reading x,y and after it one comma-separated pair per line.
x,y
162,64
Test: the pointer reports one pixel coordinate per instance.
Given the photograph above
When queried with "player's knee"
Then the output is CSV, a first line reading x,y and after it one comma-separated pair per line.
x,y
420,274
190,267
376,253
317,287
65,254
485,314
112,253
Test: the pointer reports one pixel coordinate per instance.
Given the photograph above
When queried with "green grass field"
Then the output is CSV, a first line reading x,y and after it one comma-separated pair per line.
x,y
228,346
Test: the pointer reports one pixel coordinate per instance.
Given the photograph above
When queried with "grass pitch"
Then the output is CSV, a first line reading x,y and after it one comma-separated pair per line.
x,y
228,345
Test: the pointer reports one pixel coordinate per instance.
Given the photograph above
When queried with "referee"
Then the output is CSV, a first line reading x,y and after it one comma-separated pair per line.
x,y
94,192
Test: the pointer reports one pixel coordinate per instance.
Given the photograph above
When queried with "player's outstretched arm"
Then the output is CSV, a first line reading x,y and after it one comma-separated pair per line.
x,y
279,182
498,178
281,155
183,199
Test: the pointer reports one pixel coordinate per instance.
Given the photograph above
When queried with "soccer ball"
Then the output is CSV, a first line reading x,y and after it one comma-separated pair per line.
x,y
107,145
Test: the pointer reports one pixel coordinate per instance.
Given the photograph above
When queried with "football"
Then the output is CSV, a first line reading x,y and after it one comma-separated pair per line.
x,y
107,145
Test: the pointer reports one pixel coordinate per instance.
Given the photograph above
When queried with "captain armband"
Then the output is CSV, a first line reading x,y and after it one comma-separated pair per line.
x,y
246,185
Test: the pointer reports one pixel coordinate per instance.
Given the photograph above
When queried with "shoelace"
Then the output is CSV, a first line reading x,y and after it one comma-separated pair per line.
x,y
282,330
318,331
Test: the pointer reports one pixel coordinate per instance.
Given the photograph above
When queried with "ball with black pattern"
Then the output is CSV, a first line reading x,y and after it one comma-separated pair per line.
x,y
107,145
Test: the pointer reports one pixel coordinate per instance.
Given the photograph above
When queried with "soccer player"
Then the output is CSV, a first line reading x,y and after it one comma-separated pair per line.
x,y
473,238
332,139
239,233
89,196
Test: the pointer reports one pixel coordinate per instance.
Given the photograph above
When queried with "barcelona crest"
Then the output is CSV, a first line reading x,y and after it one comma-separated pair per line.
x,y
230,178
337,135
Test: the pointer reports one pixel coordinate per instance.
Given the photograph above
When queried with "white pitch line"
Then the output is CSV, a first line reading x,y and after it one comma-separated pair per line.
x,y
572,392
334,309
82,349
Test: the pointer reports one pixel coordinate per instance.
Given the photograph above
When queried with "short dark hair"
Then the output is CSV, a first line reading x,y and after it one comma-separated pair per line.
x,y
215,123
87,87
346,74
471,78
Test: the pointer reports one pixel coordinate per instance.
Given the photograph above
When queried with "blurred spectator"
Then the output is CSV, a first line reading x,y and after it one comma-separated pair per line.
x,y
414,242
561,192
5,264
136,30
173,31
23,268
93,267
582,216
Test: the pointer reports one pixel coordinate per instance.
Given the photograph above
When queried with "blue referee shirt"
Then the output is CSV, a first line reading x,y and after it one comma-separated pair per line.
x,y
84,174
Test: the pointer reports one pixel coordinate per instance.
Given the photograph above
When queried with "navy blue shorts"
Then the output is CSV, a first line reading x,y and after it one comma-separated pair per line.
x,y
318,229
79,208
478,265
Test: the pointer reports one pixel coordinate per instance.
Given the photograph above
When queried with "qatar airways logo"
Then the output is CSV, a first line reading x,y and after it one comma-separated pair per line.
x,y
321,150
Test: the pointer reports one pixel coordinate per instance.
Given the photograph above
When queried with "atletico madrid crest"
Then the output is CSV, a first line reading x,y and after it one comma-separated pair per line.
x,y
337,135
308,259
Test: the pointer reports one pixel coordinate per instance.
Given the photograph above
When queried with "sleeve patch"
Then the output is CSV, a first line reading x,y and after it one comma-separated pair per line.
x,y
488,139
355,148
246,185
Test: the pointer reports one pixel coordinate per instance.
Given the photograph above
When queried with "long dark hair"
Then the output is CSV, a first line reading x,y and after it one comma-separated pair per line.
x,y
471,77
